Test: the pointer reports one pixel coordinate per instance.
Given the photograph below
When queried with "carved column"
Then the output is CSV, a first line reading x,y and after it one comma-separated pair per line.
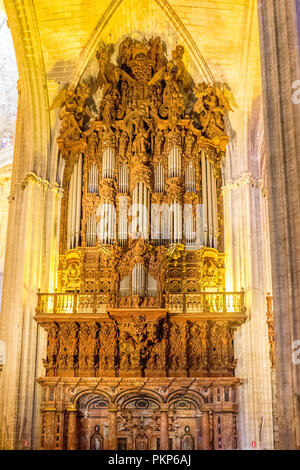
x,y
164,429
205,430
112,438
72,427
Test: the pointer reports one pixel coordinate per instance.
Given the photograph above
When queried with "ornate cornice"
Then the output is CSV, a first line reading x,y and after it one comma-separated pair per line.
x,y
245,178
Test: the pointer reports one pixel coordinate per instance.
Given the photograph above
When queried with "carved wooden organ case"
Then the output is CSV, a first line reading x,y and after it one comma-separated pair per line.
x,y
141,289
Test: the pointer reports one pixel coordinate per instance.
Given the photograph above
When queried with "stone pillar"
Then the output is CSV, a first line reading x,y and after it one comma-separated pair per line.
x,y
112,438
59,425
149,433
49,427
164,429
279,40
211,430
72,427
248,267
205,430
227,430
134,436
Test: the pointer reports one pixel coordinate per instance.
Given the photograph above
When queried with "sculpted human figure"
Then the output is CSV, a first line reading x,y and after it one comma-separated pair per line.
x,y
53,346
159,139
189,143
123,142
140,142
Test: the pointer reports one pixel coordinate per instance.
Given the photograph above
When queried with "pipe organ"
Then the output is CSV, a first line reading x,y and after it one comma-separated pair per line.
x,y
141,290
120,213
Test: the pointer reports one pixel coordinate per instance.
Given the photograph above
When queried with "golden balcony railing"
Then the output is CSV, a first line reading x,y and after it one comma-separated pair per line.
x,y
208,304
71,303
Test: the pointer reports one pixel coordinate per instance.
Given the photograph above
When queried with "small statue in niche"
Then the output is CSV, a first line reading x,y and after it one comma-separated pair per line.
x,y
53,346
129,353
86,348
73,276
159,139
123,143
189,143
210,274
140,143
92,144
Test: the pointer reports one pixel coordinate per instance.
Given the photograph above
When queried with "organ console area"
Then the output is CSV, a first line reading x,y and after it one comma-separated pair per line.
x,y
141,329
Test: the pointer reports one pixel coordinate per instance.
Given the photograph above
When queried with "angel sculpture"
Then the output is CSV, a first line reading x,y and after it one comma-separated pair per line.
x,y
211,105
183,78
74,111
108,79
68,106
172,106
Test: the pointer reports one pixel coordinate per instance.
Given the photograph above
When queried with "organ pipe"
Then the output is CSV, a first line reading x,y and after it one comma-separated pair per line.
x,y
215,209
107,225
190,178
74,205
209,199
204,196
159,179
138,280
91,231
209,204
189,223
108,163
122,221
175,215
125,286
174,162
141,205
93,178
152,286
123,178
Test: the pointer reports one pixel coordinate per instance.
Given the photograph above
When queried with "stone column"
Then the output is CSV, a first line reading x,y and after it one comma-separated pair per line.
x,y
211,429
279,40
149,433
49,429
59,425
248,267
134,436
112,438
72,427
227,430
164,429
205,430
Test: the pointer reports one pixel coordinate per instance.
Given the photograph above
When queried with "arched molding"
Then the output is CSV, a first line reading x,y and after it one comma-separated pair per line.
x,y
134,398
91,391
182,394
138,393
34,152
